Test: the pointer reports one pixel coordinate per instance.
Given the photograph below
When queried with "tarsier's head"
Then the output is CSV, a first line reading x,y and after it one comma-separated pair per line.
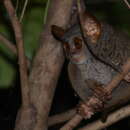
x,y
72,41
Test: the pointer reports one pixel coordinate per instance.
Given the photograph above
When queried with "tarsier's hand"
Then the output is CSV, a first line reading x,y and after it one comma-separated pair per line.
x,y
95,103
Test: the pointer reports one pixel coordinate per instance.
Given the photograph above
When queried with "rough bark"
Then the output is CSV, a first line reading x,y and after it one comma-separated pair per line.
x,y
45,71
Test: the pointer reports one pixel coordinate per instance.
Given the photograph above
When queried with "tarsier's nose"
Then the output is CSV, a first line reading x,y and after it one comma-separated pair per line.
x,y
73,51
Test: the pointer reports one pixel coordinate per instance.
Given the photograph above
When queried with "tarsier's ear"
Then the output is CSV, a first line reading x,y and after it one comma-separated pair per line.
x,y
89,24
57,31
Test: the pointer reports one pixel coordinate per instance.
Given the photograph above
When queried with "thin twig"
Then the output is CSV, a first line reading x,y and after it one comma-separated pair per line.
x,y
8,43
93,101
46,12
112,118
127,3
12,47
23,11
21,55
72,123
17,5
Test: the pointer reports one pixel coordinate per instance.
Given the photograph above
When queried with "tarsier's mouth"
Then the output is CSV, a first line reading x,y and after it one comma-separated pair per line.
x,y
78,60
77,57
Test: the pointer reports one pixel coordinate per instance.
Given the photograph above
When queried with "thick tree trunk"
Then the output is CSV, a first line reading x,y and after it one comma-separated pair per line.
x,y
45,71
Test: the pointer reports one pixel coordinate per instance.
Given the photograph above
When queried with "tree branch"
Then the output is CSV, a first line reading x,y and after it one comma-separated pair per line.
x,y
45,70
112,118
59,118
23,10
21,55
127,3
12,47
8,43
72,123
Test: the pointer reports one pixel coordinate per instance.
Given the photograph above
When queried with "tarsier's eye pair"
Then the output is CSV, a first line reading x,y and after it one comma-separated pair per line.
x,y
77,43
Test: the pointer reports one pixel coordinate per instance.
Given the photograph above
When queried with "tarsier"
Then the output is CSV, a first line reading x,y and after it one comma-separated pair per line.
x,y
86,72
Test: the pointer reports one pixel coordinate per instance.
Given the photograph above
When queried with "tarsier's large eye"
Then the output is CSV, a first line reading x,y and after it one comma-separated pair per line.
x,y
78,43
66,46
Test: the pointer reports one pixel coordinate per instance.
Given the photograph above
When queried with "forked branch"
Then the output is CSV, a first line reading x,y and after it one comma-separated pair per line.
x,y
20,49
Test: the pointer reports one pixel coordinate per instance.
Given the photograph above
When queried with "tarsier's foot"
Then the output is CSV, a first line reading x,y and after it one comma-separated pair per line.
x,y
87,109
127,77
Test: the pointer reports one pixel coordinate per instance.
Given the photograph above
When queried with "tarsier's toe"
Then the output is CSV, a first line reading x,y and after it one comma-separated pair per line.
x,y
127,77
84,111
